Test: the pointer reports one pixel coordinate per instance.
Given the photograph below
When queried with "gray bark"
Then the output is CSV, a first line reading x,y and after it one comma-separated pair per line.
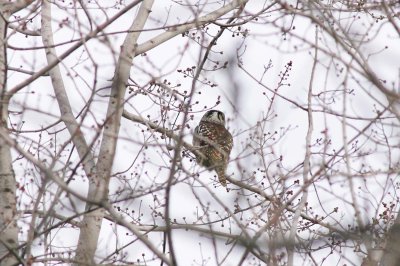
x,y
8,219
98,186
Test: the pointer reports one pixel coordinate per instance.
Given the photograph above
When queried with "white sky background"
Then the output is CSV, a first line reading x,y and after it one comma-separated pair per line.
x,y
262,46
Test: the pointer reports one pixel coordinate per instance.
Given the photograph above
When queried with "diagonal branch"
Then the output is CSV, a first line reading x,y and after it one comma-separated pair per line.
x,y
61,95
99,182
236,182
174,31
73,48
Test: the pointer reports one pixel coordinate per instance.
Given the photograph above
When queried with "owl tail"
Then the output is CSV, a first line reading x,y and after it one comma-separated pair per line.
x,y
221,175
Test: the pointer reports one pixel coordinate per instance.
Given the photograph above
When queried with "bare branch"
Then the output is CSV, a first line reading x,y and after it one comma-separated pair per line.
x,y
99,182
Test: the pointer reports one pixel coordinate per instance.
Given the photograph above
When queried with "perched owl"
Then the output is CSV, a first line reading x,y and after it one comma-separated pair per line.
x,y
213,141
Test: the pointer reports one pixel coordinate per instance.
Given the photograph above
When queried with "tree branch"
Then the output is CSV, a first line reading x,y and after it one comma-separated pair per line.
x,y
99,182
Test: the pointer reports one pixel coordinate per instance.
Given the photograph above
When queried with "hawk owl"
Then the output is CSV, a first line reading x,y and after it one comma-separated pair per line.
x,y
214,142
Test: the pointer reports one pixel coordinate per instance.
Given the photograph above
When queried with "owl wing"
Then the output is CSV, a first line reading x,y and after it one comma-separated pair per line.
x,y
226,143
216,136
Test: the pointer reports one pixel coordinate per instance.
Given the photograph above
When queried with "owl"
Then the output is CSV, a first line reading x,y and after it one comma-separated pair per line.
x,y
214,142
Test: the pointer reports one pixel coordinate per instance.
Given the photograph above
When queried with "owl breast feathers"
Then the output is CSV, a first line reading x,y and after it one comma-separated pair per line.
x,y
214,142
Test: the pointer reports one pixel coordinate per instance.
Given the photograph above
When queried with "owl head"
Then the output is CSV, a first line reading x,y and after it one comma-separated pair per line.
x,y
214,116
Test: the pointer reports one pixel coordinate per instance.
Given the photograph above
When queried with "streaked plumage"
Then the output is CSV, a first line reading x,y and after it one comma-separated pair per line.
x,y
214,142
